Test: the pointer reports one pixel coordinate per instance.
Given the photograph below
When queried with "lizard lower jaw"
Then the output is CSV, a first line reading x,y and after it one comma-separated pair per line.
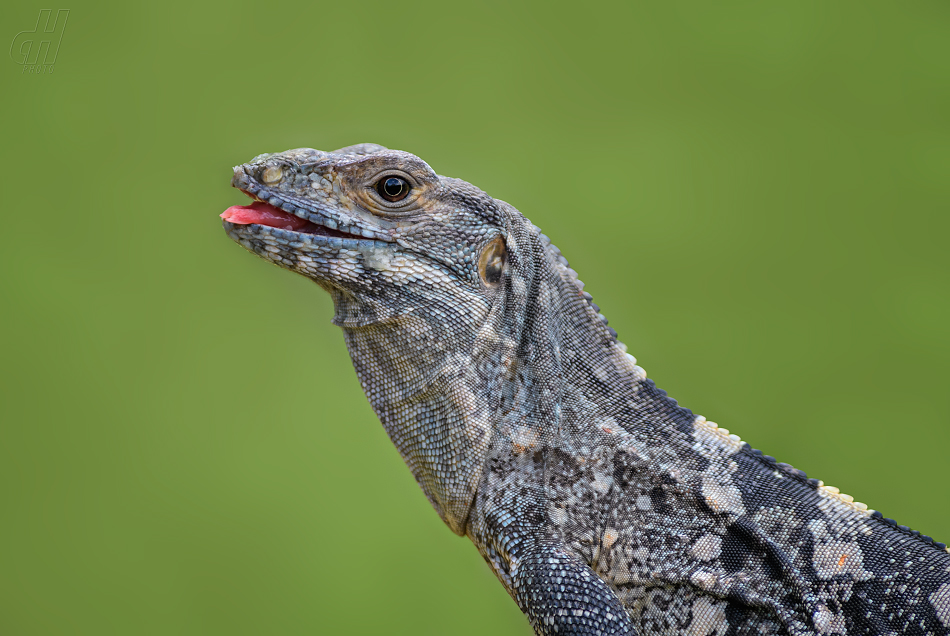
x,y
293,241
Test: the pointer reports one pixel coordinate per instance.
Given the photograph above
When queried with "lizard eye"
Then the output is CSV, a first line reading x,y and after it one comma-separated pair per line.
x,y
393,188
491,263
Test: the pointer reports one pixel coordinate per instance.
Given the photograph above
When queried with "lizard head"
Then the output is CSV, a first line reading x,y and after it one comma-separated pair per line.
x,y
415,264
465,325
375,227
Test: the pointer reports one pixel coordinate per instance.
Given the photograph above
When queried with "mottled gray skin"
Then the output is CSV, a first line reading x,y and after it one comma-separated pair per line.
x,y
601,505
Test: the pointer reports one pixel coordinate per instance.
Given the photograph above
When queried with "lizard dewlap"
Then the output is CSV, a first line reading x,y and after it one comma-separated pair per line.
x,y
602,505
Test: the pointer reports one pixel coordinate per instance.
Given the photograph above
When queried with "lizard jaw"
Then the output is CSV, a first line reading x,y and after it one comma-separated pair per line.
x,y
263,213
297,243
263,218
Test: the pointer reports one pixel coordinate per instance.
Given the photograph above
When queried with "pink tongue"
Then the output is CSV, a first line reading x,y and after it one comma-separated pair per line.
x,y
263,214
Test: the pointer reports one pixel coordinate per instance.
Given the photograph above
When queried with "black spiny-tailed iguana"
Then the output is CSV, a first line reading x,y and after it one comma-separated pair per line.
x,y
601,505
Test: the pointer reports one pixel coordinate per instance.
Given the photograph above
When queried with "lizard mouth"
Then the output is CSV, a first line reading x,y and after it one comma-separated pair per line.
x,y
261,213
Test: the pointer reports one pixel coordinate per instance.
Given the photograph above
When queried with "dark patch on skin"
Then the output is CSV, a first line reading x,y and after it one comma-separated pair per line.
x,y
735,549
623,475
744,538
903,582
857,608
789,491
749,616
658,501
737,617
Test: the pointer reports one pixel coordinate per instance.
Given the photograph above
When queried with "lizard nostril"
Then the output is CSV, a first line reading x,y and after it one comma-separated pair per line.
x,y
272,175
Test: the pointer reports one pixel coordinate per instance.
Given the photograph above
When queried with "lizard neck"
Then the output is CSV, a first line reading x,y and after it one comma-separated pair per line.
x,y
575,378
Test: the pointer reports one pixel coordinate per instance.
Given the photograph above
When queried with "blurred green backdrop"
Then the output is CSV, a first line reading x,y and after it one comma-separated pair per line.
x,y
755,194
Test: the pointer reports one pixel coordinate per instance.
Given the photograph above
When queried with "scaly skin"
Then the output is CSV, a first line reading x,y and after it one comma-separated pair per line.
x,y
601,505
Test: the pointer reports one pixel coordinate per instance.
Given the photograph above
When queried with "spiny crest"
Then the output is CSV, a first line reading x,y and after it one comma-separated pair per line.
x,y
573,277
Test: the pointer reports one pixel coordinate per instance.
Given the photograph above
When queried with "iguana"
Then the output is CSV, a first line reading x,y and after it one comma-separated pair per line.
x,y
601,505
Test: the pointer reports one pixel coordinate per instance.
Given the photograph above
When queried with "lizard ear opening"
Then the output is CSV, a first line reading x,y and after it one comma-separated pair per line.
x,y
491,263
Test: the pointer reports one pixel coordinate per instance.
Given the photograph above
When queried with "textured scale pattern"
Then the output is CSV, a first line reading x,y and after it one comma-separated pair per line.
x,y
601,505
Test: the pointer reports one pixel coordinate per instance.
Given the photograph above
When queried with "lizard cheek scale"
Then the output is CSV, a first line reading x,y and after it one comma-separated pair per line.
x,y
601,505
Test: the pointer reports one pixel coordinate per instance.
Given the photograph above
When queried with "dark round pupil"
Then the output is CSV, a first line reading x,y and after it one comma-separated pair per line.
x,y
393,186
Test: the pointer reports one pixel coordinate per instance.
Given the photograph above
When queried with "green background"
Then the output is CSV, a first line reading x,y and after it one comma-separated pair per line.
x,y
756,194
